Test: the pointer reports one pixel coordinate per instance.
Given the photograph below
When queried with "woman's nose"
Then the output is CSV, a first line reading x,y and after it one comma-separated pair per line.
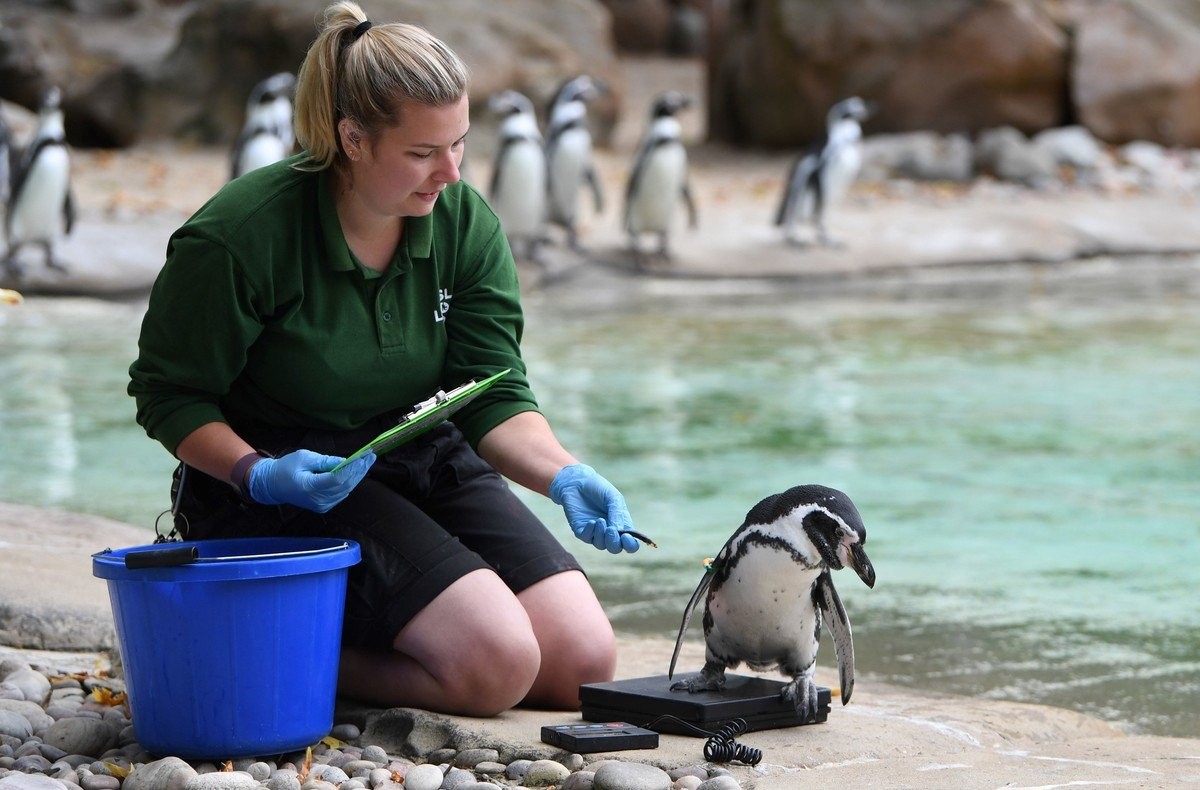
x,y
448,168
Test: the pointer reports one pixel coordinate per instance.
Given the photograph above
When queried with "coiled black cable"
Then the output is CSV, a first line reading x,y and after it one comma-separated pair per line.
x,y
720,746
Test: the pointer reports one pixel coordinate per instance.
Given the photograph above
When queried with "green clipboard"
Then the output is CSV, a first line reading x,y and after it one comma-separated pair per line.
x,y
424,416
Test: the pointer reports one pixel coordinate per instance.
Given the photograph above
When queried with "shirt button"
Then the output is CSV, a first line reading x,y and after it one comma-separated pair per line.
x,y
387,315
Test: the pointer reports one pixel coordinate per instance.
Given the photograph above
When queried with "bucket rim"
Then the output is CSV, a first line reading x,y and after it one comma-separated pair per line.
x,y
226,559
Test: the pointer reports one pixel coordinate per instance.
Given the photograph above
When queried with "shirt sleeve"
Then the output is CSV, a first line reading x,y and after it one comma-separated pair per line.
x,y
484,328
202,317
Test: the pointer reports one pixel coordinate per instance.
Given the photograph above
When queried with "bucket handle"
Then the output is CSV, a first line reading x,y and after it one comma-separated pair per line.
x,y
172,556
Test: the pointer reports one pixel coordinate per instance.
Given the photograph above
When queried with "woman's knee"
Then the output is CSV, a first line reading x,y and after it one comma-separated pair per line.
x,y
476,642
590,658
494,673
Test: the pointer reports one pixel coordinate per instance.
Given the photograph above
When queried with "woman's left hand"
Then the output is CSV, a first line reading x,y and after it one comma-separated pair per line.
x,y
595,509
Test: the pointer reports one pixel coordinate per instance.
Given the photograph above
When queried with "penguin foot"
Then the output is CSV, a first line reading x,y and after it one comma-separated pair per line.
x,y
802,693
573,240
708,680
638,258
12,269
825,240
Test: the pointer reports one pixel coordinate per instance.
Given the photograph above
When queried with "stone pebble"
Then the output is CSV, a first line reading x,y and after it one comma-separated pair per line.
x,y
615,775
55,734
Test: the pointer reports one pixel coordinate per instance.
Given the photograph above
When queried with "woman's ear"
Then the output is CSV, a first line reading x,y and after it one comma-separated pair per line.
x,y
350,135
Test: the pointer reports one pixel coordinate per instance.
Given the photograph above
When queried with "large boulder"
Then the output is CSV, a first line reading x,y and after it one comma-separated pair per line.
x,y
227,45
1124,69
165,69
99,55
675,27
1136,72
940,65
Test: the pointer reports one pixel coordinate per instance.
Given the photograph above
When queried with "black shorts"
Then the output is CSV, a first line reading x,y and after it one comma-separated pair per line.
x,y
428,513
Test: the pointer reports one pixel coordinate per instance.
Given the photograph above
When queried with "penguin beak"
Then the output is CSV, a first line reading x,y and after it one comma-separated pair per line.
x,y
862,564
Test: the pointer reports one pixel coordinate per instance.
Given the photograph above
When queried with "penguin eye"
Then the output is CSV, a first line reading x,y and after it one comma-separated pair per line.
x,y
839,533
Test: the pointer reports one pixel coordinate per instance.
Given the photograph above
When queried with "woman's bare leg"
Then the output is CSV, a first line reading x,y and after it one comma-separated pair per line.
x,y
575,637
472,651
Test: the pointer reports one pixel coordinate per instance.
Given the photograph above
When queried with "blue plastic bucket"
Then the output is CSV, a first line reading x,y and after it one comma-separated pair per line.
x,y
230,647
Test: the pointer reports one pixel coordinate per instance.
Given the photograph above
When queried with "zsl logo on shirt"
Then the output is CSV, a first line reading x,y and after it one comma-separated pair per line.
x,y
439,314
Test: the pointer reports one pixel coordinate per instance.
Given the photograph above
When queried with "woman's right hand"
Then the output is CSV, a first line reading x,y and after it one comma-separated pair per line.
x,y
300,478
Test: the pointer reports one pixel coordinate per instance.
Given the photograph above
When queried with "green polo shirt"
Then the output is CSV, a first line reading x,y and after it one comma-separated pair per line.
x,y
261,313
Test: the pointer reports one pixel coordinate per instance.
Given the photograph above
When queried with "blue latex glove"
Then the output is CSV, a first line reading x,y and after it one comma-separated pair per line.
x,y
299,478
596,511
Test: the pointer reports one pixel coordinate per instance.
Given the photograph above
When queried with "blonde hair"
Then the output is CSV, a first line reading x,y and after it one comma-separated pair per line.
x,y
365,72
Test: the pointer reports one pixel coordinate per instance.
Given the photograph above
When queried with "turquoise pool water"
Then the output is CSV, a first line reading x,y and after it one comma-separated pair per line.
x,y
1029,470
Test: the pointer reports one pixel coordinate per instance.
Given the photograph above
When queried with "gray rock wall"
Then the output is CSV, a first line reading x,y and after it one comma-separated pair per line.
x,y
182,70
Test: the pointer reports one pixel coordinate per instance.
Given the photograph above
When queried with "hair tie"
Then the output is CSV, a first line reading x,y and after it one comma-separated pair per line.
x,y
363,27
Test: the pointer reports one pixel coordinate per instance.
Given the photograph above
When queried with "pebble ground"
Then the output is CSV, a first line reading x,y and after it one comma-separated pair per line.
x,y
71,731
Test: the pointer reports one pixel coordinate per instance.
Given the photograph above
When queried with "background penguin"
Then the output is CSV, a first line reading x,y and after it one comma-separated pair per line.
x,y
569,154
267,134
769,587
518,187
41,209
659,177
821,175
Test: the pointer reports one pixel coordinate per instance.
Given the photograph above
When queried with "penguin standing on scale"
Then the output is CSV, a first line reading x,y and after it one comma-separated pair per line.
x,y
267,133
769,588
518,187
821,175
569,154
659,179
41,209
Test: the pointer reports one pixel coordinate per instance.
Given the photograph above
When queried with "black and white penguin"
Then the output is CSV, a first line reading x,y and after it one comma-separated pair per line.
x,y
518,186
268,132
820,176
569,154
41,209
659,179
770,587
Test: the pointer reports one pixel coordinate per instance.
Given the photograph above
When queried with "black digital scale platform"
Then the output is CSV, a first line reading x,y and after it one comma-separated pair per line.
x,y
648,702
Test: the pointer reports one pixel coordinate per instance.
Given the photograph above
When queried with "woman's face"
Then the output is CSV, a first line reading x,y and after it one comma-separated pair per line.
x,y
401,170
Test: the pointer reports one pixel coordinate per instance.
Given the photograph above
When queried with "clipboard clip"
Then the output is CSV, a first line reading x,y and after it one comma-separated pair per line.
x,y
439,397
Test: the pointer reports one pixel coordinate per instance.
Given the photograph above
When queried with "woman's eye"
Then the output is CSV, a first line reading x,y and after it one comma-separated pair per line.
x,y
425,155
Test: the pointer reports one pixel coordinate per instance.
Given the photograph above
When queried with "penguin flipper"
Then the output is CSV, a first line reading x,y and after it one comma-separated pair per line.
x,y
799,179
20,175
68,213
827,600
690,202
498,167
788,200
634,184
597,192
698,595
